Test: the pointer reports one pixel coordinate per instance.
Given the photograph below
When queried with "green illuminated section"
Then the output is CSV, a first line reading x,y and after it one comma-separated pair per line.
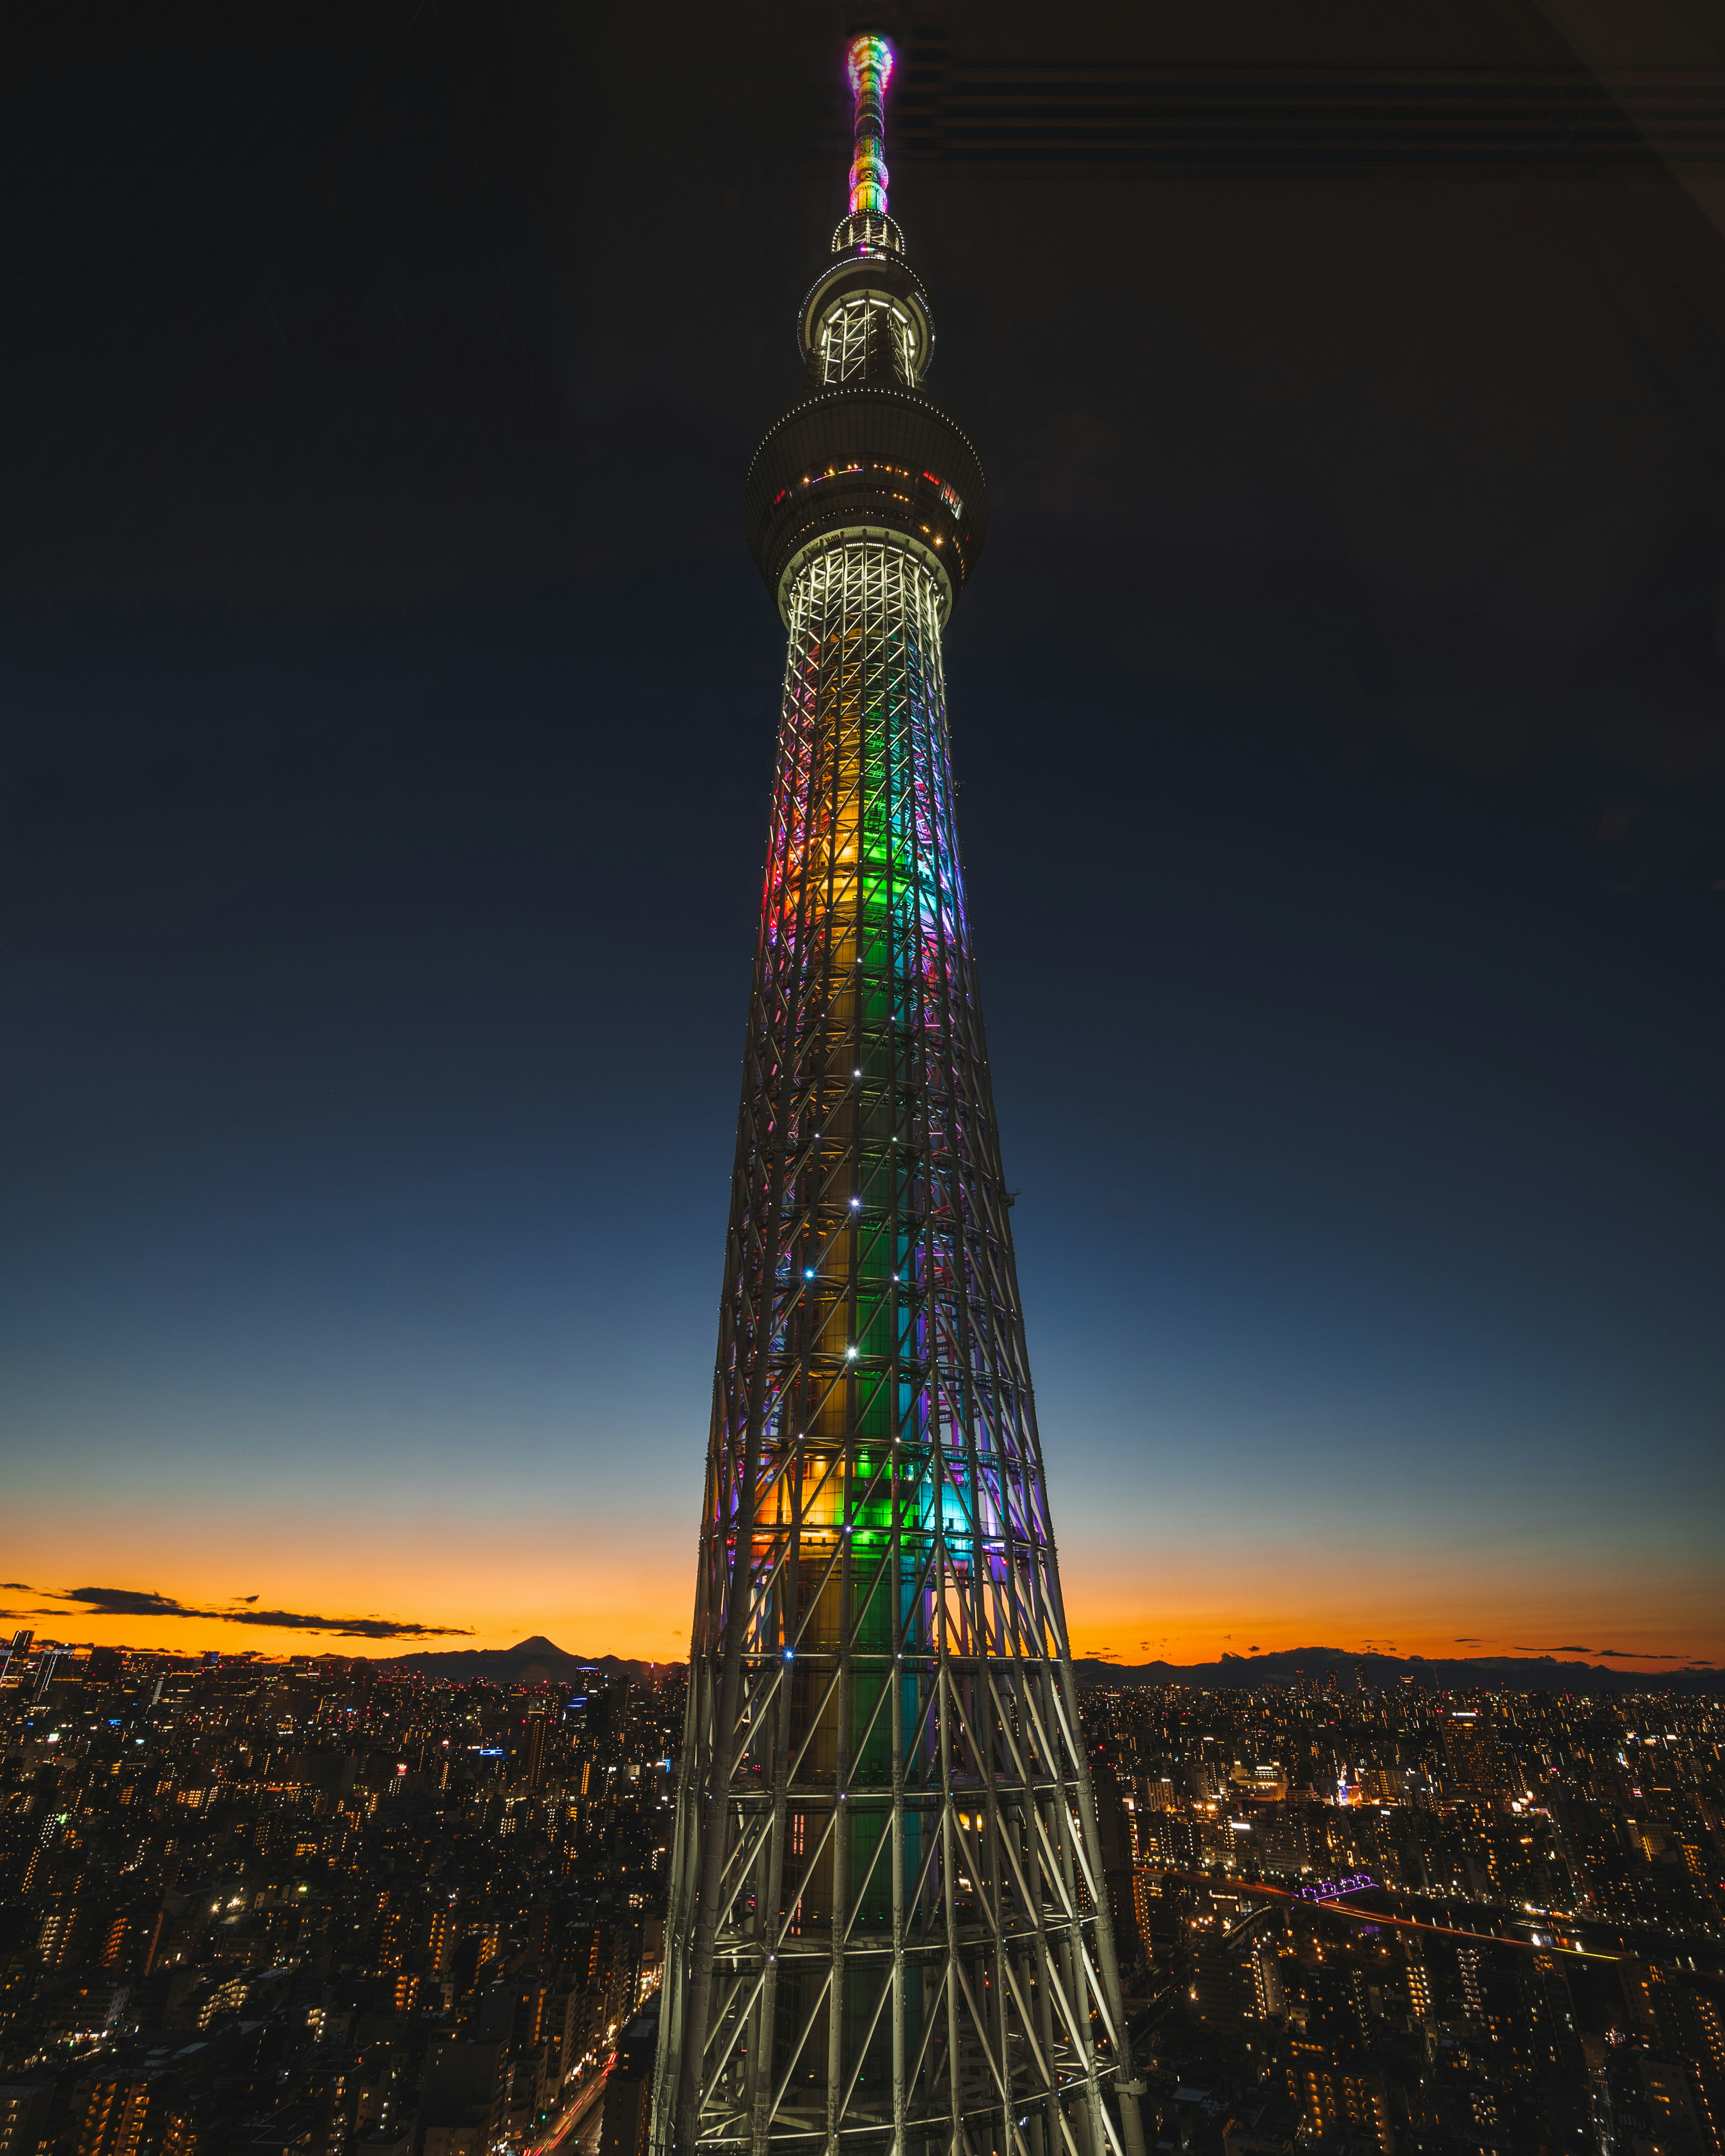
x,y
867,909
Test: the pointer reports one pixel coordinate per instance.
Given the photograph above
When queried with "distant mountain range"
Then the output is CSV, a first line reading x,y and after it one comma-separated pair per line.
x,y
1500,1672
539,1661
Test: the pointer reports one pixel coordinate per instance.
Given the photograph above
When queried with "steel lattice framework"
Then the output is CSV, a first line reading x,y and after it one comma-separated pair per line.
x,y
888,1926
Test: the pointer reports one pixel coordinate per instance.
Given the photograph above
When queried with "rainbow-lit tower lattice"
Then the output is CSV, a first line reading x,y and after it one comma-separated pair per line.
x,y
888,1929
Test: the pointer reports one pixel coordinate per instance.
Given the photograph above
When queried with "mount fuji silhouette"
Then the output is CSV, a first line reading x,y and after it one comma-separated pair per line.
x,y
537,1661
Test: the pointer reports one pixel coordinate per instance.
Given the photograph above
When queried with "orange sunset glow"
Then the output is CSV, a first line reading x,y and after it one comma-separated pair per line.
x,y
618,1587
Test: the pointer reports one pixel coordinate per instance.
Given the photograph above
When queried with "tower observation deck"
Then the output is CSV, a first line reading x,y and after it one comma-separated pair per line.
x,y
888,1929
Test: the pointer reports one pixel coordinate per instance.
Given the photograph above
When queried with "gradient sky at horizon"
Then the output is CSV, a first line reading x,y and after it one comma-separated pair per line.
x,y
1341,718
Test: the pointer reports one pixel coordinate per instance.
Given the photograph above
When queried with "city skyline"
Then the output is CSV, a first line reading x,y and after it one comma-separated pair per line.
x,y
435,1913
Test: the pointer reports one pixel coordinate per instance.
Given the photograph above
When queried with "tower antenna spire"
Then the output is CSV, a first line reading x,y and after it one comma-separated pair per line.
x,y
868,63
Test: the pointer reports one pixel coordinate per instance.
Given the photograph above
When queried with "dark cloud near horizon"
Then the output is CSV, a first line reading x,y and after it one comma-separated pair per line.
x,y
135,1602
1622,1654
1640,1654
350,1628
126,1601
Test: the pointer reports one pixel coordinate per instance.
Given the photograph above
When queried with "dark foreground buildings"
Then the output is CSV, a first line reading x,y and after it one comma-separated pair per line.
x,y
1398,1920
324,1910
320,1909
886,1931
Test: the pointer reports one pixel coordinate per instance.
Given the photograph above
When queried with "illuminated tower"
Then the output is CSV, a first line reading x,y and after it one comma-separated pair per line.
x,y
888,1929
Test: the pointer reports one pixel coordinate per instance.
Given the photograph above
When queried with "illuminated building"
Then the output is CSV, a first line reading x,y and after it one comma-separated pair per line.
x,y
1475,1757
888,1922
1419,1992
23,2115
114,2116
1267,2002
1467,1960
1336,2096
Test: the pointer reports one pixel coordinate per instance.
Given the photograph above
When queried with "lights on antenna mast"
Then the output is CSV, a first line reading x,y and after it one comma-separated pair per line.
x,y
869,64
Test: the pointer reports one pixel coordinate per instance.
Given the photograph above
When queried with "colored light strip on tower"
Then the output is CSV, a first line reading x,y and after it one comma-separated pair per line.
x,y
866,885
869,64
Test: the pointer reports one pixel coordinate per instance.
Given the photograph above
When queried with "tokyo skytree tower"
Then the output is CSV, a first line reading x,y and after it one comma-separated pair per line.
x,y
888,1929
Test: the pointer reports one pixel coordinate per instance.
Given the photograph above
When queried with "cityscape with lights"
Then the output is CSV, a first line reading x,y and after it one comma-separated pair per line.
x,y
890,1857
329,1906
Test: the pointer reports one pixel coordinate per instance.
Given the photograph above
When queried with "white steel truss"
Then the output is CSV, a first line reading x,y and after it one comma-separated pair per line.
x,y
888,1928
862,329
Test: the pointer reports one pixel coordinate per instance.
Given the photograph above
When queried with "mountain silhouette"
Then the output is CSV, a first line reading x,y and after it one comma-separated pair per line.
x,y
540,1660
1473,1673
536,1660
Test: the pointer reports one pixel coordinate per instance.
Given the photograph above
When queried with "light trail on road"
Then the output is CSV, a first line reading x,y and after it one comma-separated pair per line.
x,y
1353,1913
572,2117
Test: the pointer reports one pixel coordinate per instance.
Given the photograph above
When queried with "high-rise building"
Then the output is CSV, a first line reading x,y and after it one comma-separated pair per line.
x,y
533,1762
1475,1758
889,1929
465,2085
1338,2095
24,2107
115,2115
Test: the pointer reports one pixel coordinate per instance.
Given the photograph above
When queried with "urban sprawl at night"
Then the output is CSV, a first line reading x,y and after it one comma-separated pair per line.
x,y
328,1905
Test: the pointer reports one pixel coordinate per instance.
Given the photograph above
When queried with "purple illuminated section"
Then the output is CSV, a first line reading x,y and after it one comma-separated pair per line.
x,y
1331,1889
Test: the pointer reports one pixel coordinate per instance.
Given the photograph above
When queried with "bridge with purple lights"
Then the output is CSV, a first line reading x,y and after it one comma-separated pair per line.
x,y
1331,1889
